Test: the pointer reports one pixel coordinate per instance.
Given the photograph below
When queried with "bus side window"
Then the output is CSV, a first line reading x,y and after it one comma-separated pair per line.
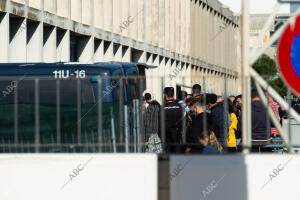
x,y
7,88
87,94
47,89
68,91
26,92
107,90
115,89
134,93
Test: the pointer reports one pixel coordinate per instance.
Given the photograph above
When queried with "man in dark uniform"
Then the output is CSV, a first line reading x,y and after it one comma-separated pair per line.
x,y
173,117
202,121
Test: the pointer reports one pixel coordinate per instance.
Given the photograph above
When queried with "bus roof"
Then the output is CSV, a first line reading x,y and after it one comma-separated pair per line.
x,y
47,69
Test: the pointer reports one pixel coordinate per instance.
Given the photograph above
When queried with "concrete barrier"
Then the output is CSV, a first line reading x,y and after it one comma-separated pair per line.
x,y
78,176
235,177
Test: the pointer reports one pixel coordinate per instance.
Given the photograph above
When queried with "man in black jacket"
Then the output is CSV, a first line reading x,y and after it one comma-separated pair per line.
x,y
173,117
223,121
201,121
261,126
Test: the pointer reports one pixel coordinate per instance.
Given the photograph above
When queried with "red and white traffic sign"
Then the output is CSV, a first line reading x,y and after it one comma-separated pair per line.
x,y
289,56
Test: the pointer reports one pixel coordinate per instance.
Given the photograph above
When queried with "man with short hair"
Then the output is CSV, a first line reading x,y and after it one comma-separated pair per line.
x,y
231,98
173,118
196,90
202,121
148,97
151,117
260,124
217,111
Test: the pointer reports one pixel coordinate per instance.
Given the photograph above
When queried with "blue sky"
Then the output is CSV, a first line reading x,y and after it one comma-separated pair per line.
x,y
256,6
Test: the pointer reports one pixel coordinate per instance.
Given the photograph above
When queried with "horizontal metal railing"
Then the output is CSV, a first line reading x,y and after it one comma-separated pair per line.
x,y
116,126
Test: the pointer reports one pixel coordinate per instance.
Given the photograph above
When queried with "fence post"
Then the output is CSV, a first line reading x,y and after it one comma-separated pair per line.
x,y
37,114
126,128
100,128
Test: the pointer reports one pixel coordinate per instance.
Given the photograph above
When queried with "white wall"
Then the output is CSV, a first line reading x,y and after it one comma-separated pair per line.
x,y
105,176
251,177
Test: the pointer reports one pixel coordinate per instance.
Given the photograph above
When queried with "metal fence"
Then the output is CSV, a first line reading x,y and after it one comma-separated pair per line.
x,y
103,115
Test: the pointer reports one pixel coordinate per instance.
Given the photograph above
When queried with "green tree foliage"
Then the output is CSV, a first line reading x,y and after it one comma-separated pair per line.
x,y
266,67
279,86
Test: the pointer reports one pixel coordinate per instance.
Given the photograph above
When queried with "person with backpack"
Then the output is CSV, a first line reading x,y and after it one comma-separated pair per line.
x,y
151,120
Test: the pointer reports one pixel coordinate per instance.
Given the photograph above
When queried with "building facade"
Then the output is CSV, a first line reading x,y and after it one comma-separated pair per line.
x,y
191,41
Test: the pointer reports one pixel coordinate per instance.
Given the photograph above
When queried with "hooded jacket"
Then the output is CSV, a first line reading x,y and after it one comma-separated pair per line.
x,y
218,113
260,126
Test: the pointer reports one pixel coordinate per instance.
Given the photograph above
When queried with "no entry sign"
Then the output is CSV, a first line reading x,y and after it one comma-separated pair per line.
x,y
289,56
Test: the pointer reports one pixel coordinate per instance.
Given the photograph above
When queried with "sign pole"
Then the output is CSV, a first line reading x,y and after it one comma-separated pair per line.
x,y
245,75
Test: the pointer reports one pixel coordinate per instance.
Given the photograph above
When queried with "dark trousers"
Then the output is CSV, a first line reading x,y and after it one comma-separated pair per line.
x,y
173,141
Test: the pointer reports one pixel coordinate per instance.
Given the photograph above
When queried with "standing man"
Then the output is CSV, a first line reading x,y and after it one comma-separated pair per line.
x,y
261,126
152,125
223,120
196,90
173,117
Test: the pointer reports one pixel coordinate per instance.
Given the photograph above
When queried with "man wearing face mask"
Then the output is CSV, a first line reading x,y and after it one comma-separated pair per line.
x,y
173,117
201,121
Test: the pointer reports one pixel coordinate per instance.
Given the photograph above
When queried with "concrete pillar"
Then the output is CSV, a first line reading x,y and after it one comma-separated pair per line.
x,y
161,73
125,15
134,7
201,77
155,22
107,15
161,24
108,51
172,76
63,45
188,82
167,72
34,42
156,78
35,4
49,6
17,38
206,80
167,25
86,10
49,43
149,74
76,8
99,50
117,48
99,13
172,26
182,26
177,26
198,34
4,37
117,16
63,7
85,49
141,13
126,54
